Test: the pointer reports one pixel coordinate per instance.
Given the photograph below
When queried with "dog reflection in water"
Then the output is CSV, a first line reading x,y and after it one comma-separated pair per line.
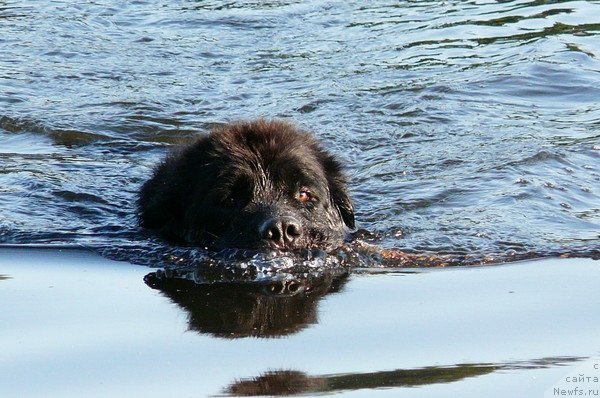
x,y
291,382
242,309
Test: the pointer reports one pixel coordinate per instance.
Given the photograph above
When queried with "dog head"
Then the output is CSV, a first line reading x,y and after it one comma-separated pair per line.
x,y
258,184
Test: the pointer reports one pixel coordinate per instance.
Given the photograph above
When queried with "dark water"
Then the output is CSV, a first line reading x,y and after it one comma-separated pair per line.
x,y
465,126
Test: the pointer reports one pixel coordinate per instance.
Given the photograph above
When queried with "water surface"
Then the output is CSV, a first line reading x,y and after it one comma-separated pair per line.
x,y
75,324
465,126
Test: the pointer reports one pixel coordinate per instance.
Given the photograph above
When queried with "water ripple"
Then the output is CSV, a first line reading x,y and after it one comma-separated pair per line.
x,y
466,126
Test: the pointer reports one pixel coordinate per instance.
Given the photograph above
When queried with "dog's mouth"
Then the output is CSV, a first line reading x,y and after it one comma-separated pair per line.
x,y
310,240
280,246
242,250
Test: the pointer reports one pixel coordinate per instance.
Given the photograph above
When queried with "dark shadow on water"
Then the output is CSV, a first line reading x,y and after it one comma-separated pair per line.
x,y
275,307
291,382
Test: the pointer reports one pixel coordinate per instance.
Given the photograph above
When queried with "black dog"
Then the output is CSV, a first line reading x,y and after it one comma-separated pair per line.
x,y
259,184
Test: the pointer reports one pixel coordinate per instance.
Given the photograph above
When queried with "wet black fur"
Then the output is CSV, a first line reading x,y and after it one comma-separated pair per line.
x,y
218,191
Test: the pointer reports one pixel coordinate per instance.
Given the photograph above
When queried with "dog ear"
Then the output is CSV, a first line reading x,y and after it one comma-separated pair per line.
x,y
338,191
344,204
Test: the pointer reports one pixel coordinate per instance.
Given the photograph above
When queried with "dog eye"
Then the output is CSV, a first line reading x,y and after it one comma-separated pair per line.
x,y
304,195
230,201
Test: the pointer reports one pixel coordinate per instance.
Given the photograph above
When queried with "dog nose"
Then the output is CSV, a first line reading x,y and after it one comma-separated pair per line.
x,y
281,231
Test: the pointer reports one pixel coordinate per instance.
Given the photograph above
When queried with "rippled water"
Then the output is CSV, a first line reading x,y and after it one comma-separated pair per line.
x,y
466,126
